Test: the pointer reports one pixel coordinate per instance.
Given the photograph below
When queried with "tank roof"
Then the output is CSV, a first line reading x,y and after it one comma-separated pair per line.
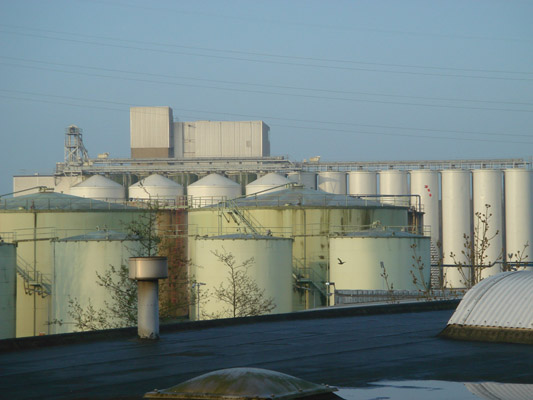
x,y
214,180
382,233
242,236
156,180
57,201
270,179
100,235
297,195
97,181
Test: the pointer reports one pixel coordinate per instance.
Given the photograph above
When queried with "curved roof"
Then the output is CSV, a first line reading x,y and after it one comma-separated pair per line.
x,y
57,201
100,235
242,236
271,179
214,180
156,180
299,196
503,301
98,181
381,233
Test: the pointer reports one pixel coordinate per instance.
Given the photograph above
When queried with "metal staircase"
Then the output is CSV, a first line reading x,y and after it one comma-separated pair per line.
x,y
34,281
242,218
308,276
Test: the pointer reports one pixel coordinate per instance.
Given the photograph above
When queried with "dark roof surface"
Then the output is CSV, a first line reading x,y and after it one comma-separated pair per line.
x,y
58,201
345,351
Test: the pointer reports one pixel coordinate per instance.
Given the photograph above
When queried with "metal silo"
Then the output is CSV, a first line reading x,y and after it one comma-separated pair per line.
x,y
270,269
77,260
519,215
155,187
487,190
308,179
332,182
270,182
212,189
99,188
456,223
425,185
8,285
394,183
362,182
355,260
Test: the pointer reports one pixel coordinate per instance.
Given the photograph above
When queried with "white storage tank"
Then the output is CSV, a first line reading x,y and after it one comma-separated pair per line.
x,y
8,285
212,189
425,185
77,260
456,223
271,270
99,188
155,187
487,189
269,183
394,183
519,214
332,182
355,260
362,182
305,178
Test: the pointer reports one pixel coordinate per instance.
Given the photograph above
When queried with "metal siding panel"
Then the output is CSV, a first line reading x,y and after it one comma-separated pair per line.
x,y
150,126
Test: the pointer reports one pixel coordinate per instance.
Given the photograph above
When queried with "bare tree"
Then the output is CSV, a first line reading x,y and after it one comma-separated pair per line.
x,y
239,293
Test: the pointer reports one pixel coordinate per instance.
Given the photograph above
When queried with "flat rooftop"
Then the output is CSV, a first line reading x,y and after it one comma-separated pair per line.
x,y
340,350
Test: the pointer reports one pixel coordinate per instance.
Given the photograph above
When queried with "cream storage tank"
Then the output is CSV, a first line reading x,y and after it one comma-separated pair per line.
x,y
155,187
269,183
456,223
362,182
306,178
8,287
355,261
212,189
425,187
519,217
99,188
332,182
487,194
77,261
394,185
269,268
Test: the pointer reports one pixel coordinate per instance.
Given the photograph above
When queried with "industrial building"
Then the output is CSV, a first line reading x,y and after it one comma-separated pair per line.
x,y
220,185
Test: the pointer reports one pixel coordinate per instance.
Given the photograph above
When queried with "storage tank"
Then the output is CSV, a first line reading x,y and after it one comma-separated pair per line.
x,y
456,223
77,261
332,182
487,189
355,260
425,185
8,285
519,215
362,182
308,179
394,183
99,188
212,189
155,187
269,183
270,269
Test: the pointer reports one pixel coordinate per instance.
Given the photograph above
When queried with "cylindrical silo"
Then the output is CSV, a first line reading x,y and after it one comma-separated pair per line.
x,y
355,261
362,182
519,215
394,183
332,182
305,178
8,294
487,199
77,261
212,189
456,223
269,267
425,187
267,184
155,187
99,188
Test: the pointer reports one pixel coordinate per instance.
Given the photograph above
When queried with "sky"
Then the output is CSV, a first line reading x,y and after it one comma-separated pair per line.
x,y
350,80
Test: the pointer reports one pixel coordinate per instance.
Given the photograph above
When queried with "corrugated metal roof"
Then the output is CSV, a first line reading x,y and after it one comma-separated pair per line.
x,y
503,301
300,196
98,181
156,180
501,391
57,201
214,180
270,179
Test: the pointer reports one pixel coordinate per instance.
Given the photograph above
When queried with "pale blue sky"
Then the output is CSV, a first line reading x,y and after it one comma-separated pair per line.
x,y
346,80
